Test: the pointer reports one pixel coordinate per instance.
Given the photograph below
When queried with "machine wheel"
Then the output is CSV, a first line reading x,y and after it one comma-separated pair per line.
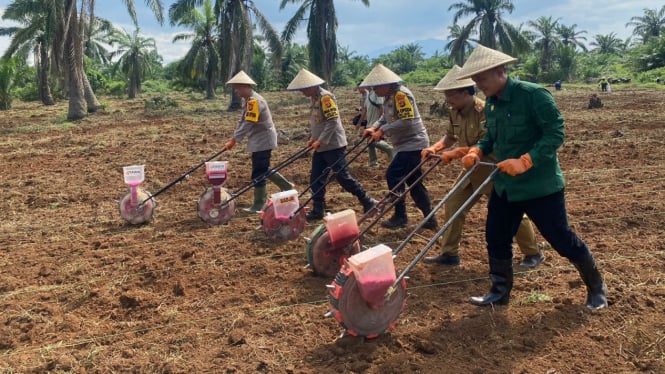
x,y
355,315
322,256
281,229
134,214
215,214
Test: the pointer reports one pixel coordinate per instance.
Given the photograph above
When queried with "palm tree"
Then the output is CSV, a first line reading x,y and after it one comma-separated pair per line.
x,y
7,69
321,32
494,32
40,22
294,58
134,58
74,31
98,36
236,20
652,24
460,43
203,57
546,40
607,44
569,36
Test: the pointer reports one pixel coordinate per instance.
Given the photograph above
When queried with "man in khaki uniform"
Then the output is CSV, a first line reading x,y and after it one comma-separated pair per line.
x,y
371,108
465,128
328,139
256,124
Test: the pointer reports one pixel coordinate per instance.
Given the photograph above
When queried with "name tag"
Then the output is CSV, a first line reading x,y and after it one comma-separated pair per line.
x,y
404,108
329,108
252,110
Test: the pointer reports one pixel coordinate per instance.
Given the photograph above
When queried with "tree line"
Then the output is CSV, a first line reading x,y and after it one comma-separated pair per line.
x,y
77,54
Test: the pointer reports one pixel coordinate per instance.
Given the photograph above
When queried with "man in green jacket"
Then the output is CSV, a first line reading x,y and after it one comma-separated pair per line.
x,y
524,130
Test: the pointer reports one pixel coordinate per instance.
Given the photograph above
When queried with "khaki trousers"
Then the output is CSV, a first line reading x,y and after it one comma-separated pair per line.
x,y
450,240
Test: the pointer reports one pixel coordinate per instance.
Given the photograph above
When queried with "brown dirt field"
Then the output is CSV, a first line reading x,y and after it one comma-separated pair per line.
x,y
83,291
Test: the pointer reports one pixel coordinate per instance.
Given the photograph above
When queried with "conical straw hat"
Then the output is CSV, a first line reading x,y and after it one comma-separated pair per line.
x,y
304,79
450,81
483,59
379,76
241,78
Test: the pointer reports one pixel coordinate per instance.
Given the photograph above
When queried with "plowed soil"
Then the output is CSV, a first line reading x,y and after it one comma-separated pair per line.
x,y
81,290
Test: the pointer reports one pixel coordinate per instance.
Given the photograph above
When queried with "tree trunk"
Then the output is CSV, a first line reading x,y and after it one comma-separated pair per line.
x,y
132,88
243,44
42,83
90,98
210,84
74,63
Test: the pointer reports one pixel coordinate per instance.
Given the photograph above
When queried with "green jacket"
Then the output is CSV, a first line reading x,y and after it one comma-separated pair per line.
x,y
525,119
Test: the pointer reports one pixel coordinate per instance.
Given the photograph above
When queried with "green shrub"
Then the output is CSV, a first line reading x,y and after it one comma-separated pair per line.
x,y
155,86
116,88
29,92
159,103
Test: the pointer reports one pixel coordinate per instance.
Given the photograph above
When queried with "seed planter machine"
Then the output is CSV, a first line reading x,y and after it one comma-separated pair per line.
x,y
367,295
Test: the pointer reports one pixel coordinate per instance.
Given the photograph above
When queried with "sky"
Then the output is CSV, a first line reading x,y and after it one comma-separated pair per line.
x,y
387,24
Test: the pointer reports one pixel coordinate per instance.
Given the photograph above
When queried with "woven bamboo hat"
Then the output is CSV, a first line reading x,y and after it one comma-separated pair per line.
x,y
483,59
379,76
241,78
304,79
450,81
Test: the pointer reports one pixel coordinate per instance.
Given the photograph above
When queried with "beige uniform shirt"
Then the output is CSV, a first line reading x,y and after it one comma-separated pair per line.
x,y
372,104
256,123
325,123
468,126
401,122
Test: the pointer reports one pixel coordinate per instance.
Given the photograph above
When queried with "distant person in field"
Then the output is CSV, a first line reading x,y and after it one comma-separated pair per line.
x,y
328,140
256,124
466,122
603,84
371,108
557,85
524,131
402,125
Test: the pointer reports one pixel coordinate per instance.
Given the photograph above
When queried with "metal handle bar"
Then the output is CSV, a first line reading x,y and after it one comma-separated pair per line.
x,y
445,227
267,174
391,199
172,183
393,196
331,177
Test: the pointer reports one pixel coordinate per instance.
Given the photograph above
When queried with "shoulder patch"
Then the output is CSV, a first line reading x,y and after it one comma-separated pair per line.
x,y
252,110
404,107
329,107
479,105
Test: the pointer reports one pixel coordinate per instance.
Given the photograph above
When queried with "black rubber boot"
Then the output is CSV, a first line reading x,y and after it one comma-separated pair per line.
x,y
596,296
444,259
367,202
317,212
431,224
501,274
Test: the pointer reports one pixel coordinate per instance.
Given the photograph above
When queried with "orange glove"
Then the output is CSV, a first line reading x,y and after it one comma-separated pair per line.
x,y
436,148
472,157
368,132
377,135
516,166
315,144
453,154
229,144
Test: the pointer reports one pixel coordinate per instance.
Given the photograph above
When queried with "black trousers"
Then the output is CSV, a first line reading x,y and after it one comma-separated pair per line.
x,y
260,166
403,164
319,174
549,215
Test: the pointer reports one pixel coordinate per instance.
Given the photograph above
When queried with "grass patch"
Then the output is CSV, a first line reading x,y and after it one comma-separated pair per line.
x,y
534,298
